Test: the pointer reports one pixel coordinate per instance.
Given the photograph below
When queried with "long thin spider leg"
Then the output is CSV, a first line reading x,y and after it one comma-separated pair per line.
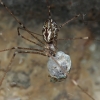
x,y
66,21
47,2
49,11
7,69
75,83
15,17
69,21
30,49
20,48
21,23
27,38
9,65
30,34
75,38
78,38
32,52
7,49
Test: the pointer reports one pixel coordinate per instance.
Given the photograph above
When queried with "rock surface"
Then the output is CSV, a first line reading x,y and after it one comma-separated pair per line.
x,y
28,78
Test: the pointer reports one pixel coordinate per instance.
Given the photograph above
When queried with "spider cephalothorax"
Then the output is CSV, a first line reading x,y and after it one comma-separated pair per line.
x,y
50,31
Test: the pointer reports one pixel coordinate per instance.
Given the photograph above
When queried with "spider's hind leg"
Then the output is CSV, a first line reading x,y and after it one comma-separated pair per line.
x,y
31,51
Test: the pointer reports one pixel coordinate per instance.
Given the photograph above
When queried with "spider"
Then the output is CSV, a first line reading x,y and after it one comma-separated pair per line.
x,y
49,46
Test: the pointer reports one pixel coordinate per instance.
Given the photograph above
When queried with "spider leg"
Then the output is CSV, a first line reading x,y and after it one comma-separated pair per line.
x,y
69,21
75,38
20,48
33,52
7,49
7,68
28,32
49,11
76,84
27,38
78,38
15,53
24,28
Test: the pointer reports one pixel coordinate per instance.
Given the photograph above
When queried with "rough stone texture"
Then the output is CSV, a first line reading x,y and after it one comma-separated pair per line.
x,y
28,78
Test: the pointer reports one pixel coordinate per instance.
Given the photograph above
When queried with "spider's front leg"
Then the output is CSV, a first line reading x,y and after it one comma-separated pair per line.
x,y
75,38
18,28
18,21
78,38
69,21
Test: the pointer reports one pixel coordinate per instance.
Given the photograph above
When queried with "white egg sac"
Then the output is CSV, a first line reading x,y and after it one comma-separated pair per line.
x,y
59,66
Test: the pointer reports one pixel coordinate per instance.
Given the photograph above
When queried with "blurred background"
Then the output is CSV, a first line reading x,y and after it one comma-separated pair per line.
x,y
28,79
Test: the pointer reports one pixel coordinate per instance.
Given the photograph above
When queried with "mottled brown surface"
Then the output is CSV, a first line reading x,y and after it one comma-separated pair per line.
x,y
28,78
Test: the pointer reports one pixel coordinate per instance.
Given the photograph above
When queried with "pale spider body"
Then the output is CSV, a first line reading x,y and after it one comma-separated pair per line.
x,y
50,33
50,42
60,64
